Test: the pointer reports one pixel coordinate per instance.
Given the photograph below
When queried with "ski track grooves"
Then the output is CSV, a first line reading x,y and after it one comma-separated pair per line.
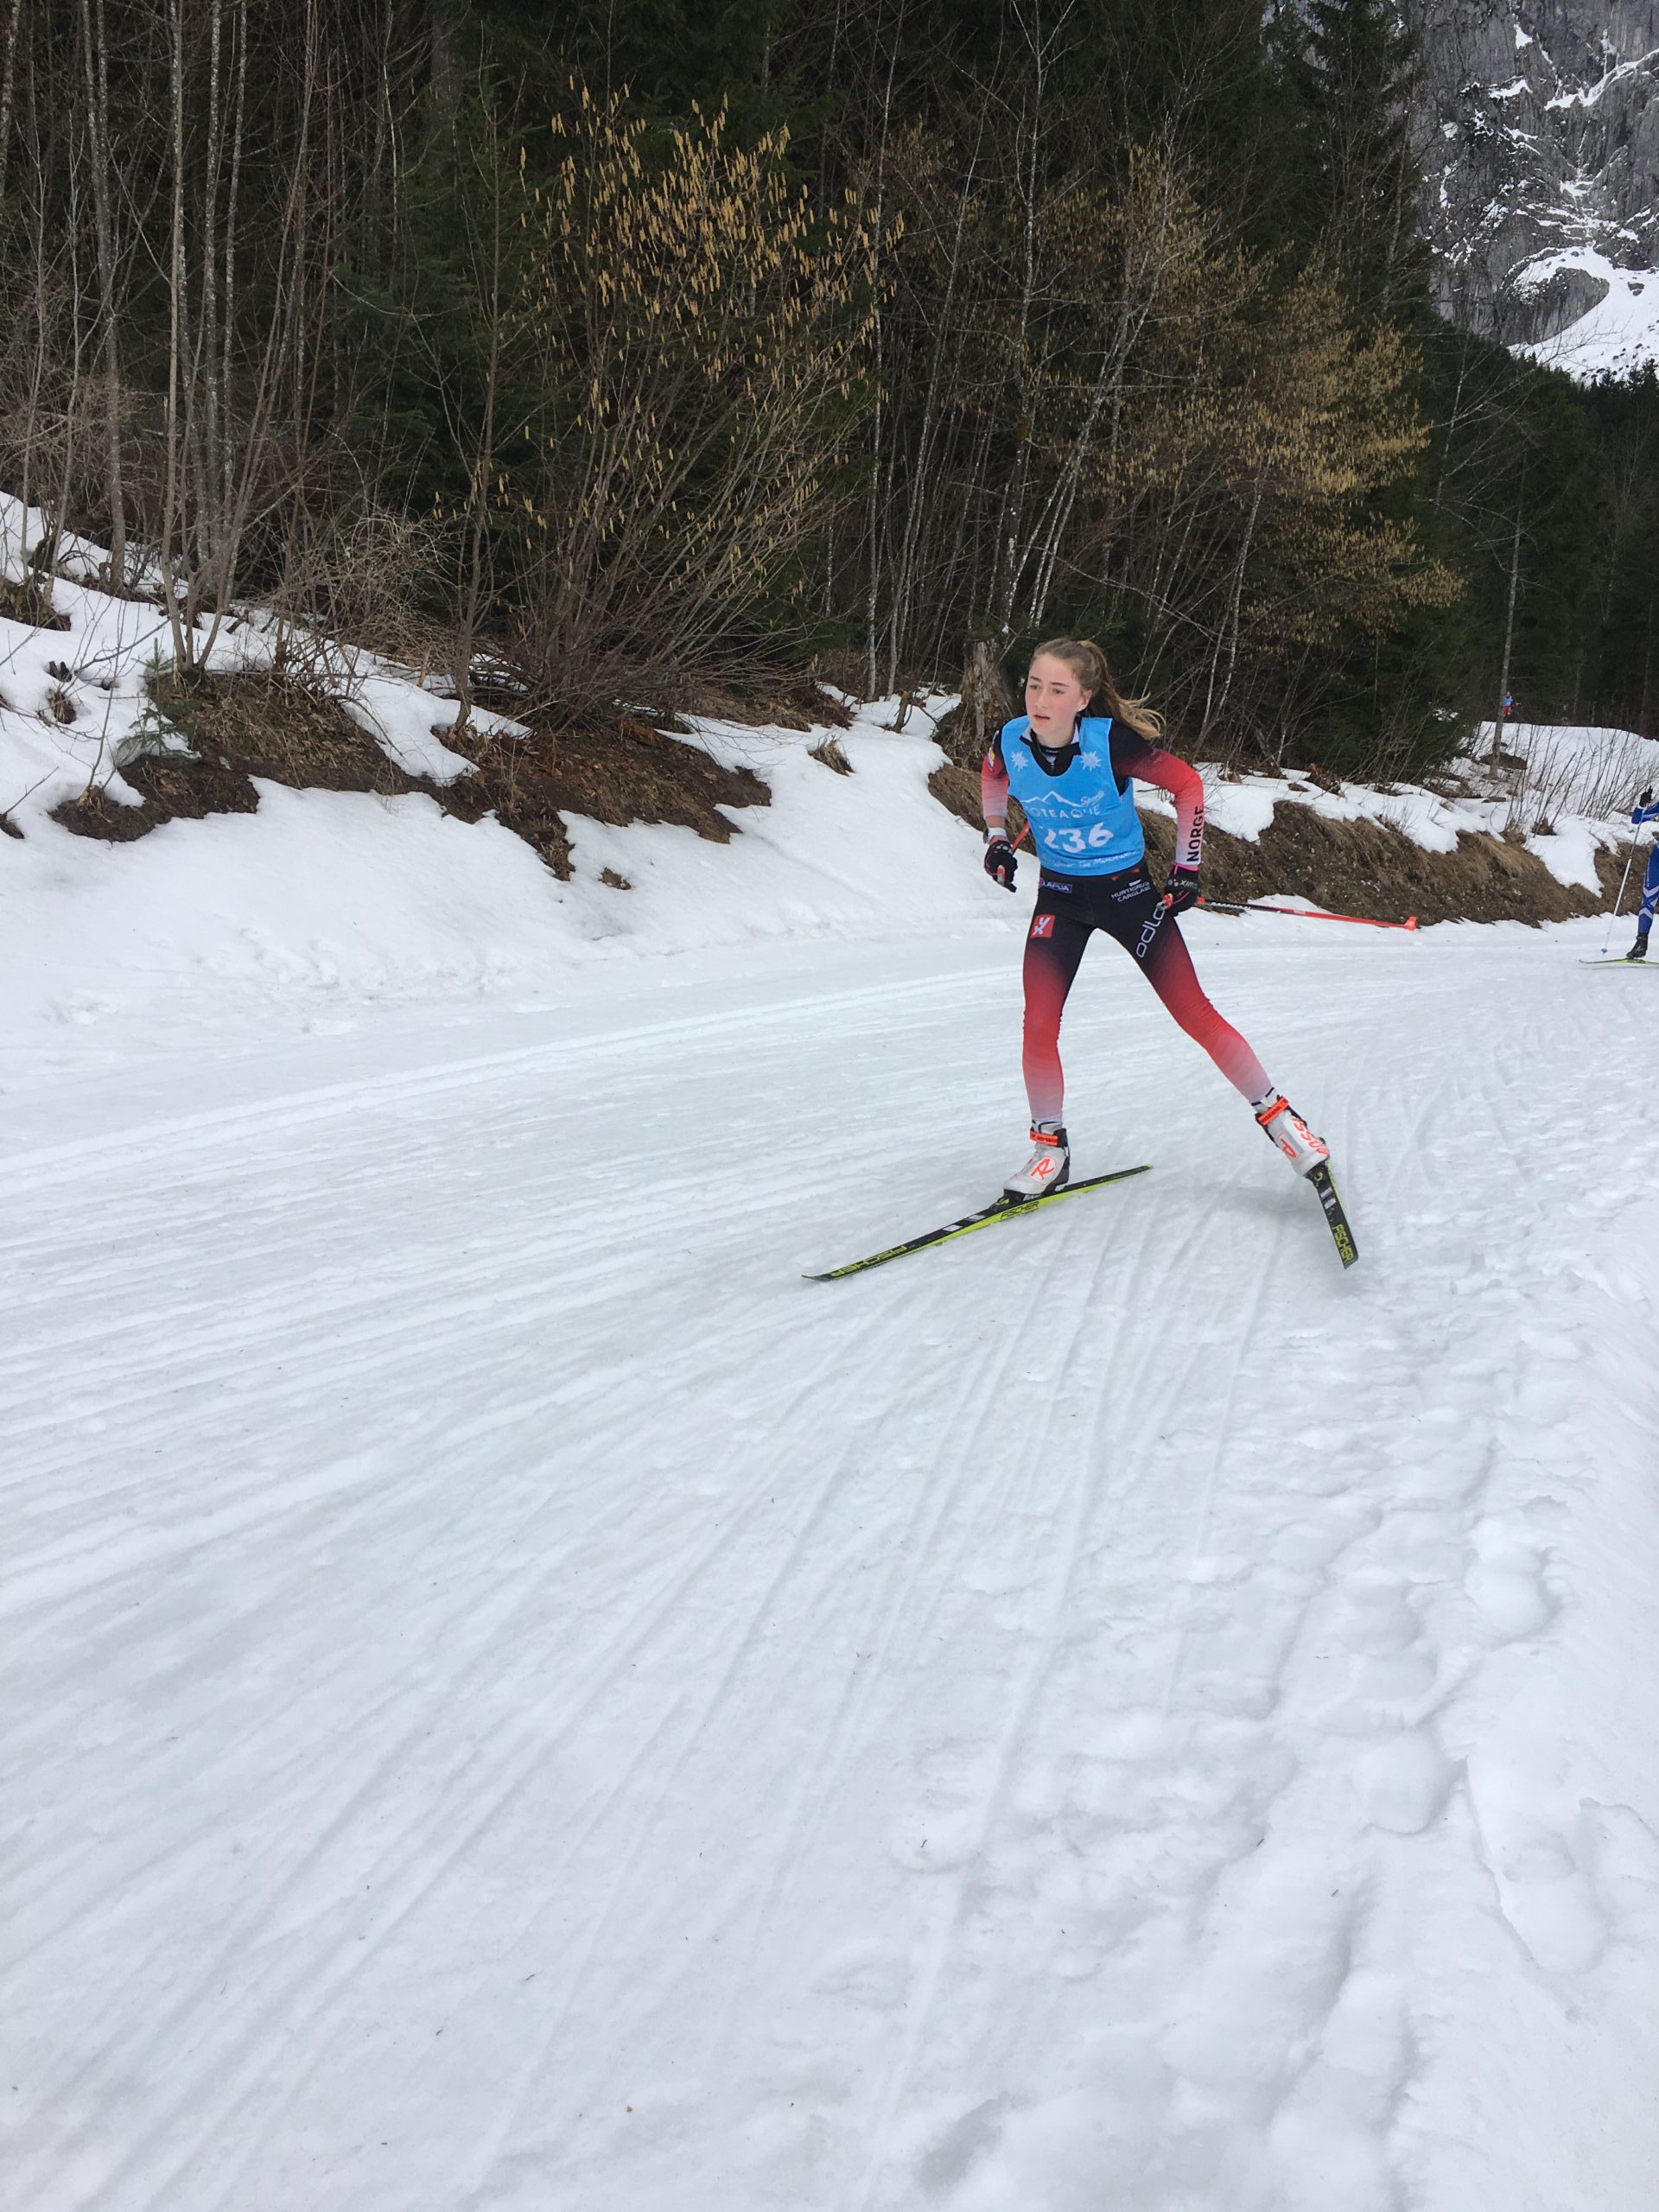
x,y
520,1705
1020,1704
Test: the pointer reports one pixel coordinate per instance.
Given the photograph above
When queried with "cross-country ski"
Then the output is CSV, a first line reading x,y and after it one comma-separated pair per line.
x,y
1006,1208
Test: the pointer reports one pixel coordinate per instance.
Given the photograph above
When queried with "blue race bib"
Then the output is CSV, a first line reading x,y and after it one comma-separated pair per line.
x,y
1083,823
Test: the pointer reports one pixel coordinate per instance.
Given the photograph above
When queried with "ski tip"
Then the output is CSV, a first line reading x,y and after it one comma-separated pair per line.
x,y
1410,922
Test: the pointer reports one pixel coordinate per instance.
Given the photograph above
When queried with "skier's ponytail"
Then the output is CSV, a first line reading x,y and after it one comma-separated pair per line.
x,y
1089,665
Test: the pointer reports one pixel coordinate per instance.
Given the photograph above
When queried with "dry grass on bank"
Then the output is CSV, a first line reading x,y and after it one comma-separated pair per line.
x,y
260,723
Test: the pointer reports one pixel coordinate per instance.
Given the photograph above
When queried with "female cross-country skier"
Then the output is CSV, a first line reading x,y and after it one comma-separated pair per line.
x,y
1068,760
1646,810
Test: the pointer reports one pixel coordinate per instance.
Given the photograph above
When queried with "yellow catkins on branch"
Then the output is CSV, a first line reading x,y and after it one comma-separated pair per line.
x,y
698,332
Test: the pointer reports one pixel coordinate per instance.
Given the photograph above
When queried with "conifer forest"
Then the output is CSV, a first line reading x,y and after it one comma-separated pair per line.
x,y
607,352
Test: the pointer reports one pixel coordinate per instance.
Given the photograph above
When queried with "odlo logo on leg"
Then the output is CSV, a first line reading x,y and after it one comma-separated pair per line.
x,y
1042,925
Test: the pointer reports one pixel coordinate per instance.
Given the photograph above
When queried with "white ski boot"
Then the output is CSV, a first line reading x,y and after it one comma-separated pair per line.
x,y
1048,1169
1291,1133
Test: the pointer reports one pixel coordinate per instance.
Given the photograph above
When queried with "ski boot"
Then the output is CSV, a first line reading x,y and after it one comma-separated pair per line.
x,y
1638,950
1048,1169
1291,1133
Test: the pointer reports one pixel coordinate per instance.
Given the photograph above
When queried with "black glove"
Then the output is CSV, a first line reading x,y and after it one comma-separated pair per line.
x,y
1646,798
999,862
1181,889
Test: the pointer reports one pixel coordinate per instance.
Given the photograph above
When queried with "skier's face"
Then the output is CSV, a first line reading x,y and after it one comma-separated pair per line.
x,y
1054,699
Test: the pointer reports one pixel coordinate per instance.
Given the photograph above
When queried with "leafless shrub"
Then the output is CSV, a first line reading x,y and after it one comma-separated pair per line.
x,y
358,580
695,328
829,751
188,178
1595,775
844,667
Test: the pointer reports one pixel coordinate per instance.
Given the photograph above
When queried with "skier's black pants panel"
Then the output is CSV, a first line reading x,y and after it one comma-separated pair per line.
x,y
1129,909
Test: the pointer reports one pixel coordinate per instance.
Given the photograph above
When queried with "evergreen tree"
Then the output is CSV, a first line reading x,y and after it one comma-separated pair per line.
x,y
1350,71
1622,686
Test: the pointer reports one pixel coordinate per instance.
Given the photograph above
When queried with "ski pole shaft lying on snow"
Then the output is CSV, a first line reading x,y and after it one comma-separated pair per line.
x,y
1300,913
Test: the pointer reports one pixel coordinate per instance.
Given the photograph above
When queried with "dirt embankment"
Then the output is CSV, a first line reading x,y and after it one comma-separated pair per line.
x,y
256,724
1367,867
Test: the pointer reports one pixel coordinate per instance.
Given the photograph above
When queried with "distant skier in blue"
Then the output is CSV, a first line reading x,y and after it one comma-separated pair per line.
x,y
1646,810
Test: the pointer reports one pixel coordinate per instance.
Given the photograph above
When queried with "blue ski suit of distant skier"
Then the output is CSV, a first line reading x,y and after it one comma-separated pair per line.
x,y
1650,882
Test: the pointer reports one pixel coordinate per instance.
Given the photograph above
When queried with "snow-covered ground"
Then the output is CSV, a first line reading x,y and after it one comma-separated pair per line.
x,y
515,1700
518,1703
323,902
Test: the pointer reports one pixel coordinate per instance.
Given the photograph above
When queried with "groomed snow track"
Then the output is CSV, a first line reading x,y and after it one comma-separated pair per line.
x,y
517,1703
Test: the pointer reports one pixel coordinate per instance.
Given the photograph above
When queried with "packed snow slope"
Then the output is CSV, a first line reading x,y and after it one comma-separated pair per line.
x,y
517,1703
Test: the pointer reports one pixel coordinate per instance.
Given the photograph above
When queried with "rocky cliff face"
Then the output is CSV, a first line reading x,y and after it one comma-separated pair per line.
x,y
1539,139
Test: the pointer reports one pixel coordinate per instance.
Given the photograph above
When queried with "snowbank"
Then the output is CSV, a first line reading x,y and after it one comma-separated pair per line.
x,y
328,896
324,897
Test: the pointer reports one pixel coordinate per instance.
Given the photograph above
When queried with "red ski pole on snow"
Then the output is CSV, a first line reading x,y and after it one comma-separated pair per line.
x,y
1300,913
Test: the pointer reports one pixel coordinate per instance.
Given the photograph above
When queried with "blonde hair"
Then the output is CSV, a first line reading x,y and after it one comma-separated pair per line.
x,y
1089,665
